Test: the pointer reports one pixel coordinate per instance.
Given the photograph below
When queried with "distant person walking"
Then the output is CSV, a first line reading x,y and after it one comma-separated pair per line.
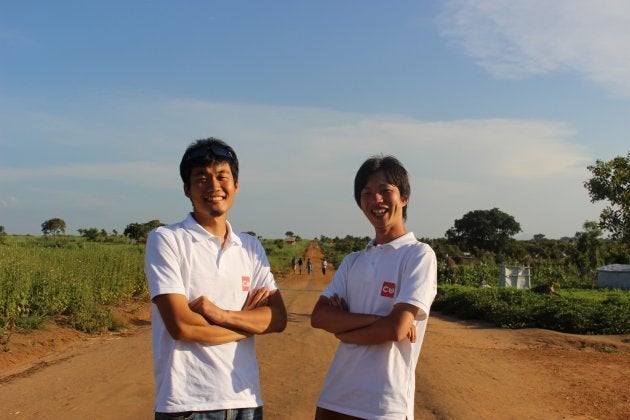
x,y
309,266
324,264
293,265
300,262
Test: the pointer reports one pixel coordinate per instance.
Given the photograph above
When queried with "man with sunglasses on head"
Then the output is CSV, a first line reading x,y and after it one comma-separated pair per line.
x,y
213,291
377,305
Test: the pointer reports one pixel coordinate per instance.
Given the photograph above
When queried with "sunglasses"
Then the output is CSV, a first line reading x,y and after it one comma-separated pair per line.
x,y
203,152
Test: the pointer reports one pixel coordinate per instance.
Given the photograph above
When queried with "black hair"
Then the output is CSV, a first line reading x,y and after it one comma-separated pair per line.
x,y
394,171
207,152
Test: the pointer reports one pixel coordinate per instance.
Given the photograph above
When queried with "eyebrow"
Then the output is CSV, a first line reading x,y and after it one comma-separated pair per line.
x,y
384,184
201,170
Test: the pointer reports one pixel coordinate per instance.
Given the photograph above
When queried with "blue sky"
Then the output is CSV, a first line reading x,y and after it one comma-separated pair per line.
x,y
487,103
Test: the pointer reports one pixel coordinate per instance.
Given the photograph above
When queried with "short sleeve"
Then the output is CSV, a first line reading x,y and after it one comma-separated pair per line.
x,y
418,283
162,265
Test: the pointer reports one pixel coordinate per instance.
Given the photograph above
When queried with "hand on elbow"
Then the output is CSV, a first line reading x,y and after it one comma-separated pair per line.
x,y
405,333
211,312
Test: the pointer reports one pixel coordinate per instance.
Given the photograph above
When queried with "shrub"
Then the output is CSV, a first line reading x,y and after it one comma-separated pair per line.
x,y
579,312
43,279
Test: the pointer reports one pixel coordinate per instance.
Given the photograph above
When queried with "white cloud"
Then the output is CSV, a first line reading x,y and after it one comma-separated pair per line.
x,y
473,149
519,38
9,202
298,165
140,174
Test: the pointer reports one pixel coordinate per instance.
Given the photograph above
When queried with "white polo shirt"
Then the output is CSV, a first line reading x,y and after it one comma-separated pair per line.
x,y
184,258
378,381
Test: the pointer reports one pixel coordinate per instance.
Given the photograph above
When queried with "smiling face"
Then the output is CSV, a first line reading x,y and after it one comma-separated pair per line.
x,y
383,205
212,190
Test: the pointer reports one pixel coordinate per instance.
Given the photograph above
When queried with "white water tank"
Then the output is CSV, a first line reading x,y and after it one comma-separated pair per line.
x,y
614,276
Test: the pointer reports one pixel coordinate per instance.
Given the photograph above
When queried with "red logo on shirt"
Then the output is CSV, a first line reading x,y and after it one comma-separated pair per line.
x,y
388,289
245,283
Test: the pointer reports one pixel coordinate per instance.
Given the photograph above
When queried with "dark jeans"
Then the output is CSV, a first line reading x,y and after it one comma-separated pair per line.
x,y
230,414
324,414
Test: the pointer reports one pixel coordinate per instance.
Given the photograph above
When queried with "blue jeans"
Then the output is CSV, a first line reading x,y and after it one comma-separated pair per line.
x,y
230,414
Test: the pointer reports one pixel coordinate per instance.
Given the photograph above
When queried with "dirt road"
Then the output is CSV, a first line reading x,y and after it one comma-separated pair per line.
x,y
466,370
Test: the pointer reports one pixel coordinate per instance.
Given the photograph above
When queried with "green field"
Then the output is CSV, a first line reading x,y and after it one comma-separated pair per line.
x,y
73,281
67,279
70,280
579,311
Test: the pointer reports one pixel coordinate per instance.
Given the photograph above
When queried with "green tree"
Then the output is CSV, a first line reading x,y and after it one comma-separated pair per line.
x,y
611,182
489,230
140,231
2,231
91,234
54,226
587,246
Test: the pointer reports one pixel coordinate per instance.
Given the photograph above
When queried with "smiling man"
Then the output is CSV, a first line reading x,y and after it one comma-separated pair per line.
x,y
377,305
213,291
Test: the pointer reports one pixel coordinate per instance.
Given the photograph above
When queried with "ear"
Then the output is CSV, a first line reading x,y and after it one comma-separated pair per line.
x,y
187,190
235,186
405,200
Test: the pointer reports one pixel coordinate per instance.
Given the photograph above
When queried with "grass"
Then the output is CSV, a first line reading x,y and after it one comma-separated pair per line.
x,y
68,279
574,311
280,254
73,281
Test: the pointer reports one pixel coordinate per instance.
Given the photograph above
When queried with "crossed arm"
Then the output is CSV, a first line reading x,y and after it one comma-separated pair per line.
x,y
332,315
202,321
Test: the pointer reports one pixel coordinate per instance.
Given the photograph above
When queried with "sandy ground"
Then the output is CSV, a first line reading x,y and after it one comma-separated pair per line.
x,y
466,370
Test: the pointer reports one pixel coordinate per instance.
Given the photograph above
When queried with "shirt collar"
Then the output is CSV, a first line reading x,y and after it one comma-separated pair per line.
x,y
200,234
396,243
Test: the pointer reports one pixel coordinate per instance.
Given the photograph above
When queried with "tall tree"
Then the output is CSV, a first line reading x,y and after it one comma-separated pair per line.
x,y
55,226
484,229
611,182
587,246
139,231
